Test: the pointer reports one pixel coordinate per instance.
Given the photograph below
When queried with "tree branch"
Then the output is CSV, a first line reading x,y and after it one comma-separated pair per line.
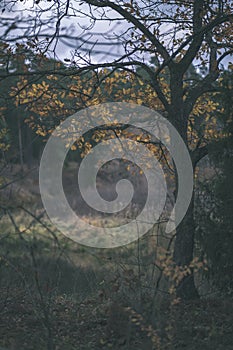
x,y
137,23
198,154
198,38
202,87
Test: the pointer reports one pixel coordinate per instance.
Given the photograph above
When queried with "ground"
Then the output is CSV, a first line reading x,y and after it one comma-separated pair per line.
x,y
58,295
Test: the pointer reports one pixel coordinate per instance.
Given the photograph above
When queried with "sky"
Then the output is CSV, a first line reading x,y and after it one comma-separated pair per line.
x,y
76,27
105,49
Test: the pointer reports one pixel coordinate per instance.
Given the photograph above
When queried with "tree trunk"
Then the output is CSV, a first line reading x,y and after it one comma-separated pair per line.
x,y
29,148
20,141
184,242
183,254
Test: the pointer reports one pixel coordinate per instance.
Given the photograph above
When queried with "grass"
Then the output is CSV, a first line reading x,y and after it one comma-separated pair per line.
x,y
56,294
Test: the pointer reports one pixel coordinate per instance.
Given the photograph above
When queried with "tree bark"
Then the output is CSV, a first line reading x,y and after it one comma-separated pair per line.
x,y
185,232
183,254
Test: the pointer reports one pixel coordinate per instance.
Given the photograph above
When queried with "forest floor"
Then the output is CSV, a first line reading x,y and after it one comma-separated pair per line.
x,y
75,303
203,325
59,295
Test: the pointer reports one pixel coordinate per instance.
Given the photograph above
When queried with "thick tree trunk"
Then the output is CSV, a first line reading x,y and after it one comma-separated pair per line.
x,y
184,242
183,254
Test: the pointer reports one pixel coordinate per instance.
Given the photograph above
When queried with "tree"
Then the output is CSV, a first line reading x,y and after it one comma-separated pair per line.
x,y
20,135
215,220
177,34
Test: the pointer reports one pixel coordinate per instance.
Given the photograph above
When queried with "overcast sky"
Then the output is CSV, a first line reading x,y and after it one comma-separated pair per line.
x,y
101,52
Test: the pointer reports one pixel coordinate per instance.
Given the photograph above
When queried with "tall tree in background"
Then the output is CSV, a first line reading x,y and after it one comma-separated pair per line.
x,y
177,34
215,223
